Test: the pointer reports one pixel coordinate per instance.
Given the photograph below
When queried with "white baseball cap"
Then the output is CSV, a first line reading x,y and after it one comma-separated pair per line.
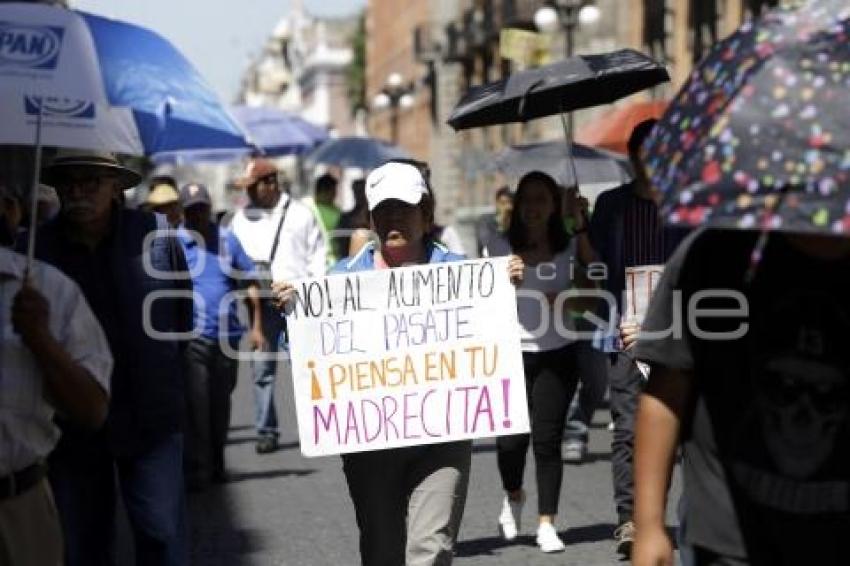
x,y
400,181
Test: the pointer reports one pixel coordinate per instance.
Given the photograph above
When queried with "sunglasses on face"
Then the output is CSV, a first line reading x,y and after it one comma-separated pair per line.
x,y
88,185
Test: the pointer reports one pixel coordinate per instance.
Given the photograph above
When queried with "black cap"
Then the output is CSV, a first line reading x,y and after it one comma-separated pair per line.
x,y
195,193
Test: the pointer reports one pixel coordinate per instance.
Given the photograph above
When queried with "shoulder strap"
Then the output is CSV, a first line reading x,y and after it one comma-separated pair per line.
x,y
279,228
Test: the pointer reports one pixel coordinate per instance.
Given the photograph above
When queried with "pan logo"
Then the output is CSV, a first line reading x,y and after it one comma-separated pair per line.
x,y
60,108
31,47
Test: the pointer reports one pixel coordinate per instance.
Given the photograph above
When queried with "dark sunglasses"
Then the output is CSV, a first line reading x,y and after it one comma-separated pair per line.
x,y
88,184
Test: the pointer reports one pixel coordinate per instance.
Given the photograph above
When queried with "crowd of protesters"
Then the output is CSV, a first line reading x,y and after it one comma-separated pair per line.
x,y
105,401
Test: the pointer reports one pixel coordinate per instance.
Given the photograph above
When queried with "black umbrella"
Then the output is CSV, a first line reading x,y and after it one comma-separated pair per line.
x,y
590,166
571,84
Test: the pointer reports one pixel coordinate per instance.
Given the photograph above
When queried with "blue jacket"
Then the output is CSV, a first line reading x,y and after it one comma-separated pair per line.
x,y
218,267
365,258
147,381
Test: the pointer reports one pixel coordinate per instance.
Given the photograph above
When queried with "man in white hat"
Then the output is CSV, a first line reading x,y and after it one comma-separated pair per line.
x,y
120,258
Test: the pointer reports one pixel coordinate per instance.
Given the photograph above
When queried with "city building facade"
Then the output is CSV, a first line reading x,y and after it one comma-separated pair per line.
x,y
423,55
302,69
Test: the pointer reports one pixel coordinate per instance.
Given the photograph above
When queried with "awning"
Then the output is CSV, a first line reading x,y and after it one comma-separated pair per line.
x,y
613,129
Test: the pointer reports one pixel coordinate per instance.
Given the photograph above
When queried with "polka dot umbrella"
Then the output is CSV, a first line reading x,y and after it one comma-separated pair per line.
x,y
759,136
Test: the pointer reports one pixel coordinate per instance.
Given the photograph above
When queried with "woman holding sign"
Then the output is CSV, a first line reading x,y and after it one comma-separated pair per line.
x,y
538,236
408,501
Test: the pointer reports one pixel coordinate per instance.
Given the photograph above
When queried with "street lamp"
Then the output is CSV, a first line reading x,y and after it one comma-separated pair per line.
x,y
406,100
546,19
395,95
589,14
381,101
394,80
568,15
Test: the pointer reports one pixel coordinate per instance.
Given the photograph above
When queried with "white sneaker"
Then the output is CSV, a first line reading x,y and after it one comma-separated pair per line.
x,y
510,519
548,539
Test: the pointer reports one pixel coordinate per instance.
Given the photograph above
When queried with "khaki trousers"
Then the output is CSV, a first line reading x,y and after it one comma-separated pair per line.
x,y
30,534
409,502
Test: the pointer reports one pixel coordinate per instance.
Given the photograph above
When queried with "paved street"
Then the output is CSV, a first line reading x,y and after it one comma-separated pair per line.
x,y
287,510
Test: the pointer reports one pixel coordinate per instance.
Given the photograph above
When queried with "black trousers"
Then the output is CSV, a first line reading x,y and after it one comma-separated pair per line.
x,y
703,557
210,380
550,383
626,383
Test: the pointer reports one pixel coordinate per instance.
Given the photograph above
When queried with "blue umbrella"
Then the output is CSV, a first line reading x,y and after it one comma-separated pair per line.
x,y
276,132
361,152
72,79
90,82
317,133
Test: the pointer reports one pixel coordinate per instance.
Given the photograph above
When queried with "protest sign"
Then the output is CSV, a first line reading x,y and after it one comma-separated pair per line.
x,y
408,356
640,284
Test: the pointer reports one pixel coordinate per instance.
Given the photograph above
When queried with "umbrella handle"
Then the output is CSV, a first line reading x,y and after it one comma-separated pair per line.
x,y
757,254
569,140
36,180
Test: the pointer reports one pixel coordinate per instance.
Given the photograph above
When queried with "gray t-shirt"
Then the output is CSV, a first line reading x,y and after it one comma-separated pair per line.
x,y
767,445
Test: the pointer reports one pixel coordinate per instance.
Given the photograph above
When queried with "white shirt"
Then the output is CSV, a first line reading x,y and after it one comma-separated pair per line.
x,y
27,432
451,238
301,250
539,320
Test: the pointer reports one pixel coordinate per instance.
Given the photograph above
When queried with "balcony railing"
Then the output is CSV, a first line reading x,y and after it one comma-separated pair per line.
x,y
426,46
519,13
457,48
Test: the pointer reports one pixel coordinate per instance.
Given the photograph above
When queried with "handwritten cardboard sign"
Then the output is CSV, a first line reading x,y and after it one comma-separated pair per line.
x,y
408,356
640,285
641,282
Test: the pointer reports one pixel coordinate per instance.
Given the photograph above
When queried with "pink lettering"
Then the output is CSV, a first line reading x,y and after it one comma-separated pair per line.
x,y
424,412
366,436
388,422
326,421
408,415
483,407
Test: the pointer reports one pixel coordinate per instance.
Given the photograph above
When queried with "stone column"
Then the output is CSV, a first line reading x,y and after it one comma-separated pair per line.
x,y
632,14
733,16
445,143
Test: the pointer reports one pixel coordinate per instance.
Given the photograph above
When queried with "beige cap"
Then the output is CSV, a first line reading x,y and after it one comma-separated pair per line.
x,y
162,194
